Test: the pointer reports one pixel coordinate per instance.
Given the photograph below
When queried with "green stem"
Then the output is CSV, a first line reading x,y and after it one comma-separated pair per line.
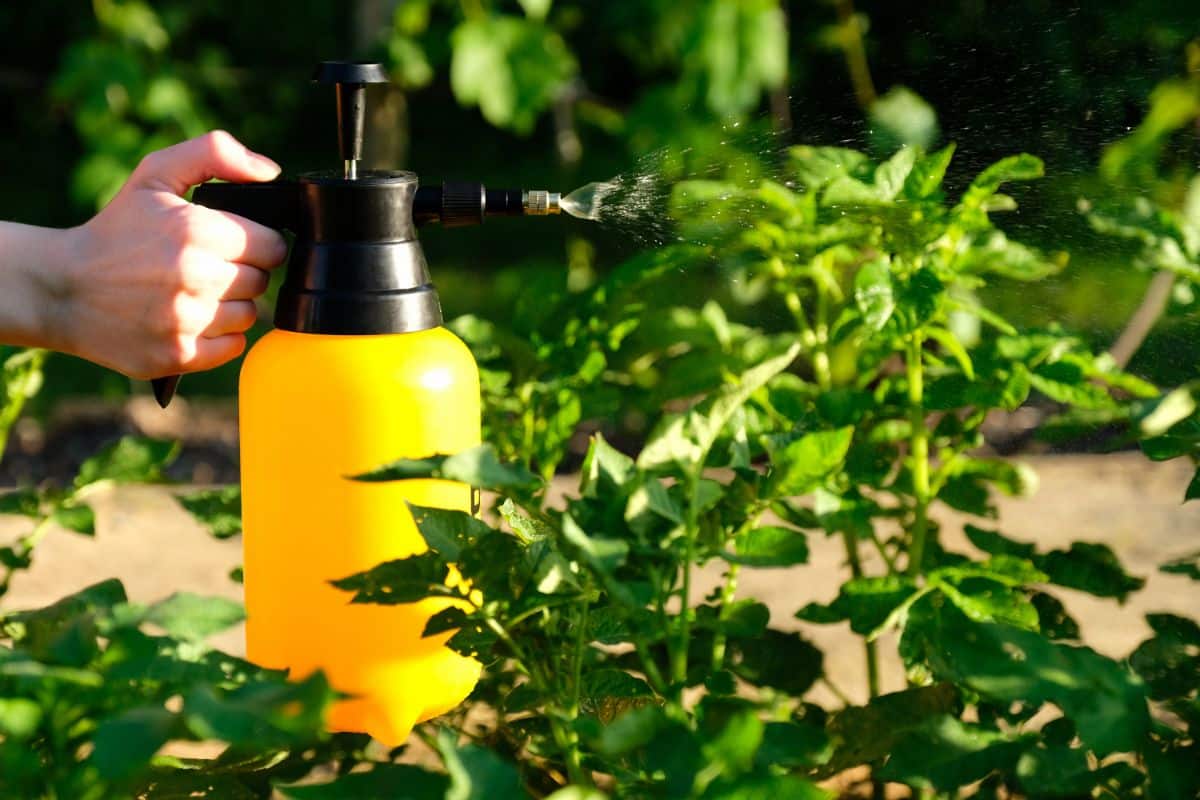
x,y
918,454
872,650
729,590
574,757
821,356
679,658
856,55
24,546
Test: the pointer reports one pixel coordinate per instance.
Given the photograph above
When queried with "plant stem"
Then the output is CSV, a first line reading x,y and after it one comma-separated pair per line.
x,y
679,659
856,55
1154,303
872,651
728,591
821,356
918,455
574,757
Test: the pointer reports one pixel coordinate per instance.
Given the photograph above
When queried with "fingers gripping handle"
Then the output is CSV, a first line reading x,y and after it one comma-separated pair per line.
x,y
274,204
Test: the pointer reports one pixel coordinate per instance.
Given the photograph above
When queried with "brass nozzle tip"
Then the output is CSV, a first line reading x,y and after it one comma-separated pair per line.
x,y
539,202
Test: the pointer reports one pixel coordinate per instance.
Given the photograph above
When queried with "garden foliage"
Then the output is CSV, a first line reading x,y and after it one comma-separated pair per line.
x,y
609,673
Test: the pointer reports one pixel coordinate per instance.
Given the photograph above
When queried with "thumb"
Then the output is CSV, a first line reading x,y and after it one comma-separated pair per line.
x,y
214,155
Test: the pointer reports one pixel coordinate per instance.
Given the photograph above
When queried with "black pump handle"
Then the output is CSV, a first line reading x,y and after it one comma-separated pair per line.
x,y
274,204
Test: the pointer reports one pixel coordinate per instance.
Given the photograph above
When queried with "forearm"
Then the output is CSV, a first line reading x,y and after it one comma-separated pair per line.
x,y
33,264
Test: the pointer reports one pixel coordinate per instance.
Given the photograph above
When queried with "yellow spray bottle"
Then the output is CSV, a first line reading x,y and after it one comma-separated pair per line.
x,y
357,373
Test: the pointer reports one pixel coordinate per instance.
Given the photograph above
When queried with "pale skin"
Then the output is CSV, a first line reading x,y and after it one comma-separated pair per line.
x,y
152,285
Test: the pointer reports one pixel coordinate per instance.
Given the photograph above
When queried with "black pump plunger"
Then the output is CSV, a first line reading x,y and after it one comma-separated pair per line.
x,y
350,79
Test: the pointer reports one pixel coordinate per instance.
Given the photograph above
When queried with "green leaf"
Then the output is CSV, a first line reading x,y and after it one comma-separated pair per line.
x,y
1060,771
612,682
1021,167
1105,700
945,753
478,466
404,580
1188,565
476,773
866,734
783,661
449,532
816,167
794,745
865,602
740,51
1169,661
769,546
192,617
684,440
901,117
927,173
24,502
125,743
219,510
77,518
603,554
802,465
873,293
393,781
19,718
951,344
767,787
513,68
997,544
261,715
129,460
1091,568
891,174
605,469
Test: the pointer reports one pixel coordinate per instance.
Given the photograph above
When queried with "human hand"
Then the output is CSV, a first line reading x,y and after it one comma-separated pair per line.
x,y
154,285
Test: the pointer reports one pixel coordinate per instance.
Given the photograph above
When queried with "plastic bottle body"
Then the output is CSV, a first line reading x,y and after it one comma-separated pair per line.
x,y
315,409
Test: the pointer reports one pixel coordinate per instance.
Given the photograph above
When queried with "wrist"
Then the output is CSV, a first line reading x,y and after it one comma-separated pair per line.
x,y
34,284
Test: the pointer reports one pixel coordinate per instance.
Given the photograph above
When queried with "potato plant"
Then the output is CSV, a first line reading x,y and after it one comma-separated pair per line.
x,y
609,674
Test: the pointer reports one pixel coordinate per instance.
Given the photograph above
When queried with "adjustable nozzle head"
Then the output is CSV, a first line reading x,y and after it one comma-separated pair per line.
x,y
539,202
350,79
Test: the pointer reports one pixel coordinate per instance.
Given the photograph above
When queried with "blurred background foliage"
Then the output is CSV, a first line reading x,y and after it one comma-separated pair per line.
x,y
562,92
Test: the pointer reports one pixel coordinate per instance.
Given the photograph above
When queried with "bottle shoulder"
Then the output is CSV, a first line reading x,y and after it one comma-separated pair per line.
x,y
328,354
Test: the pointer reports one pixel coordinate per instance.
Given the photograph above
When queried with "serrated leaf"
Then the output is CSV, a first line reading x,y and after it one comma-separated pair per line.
x,y
1104,699
19,718
479,467
684,440
449,532
124,744
264,714
873,293
193,617
946,753
801,465
24,502
77,518
393,781
477,773
129,460
865,602
218,510
404,580
769,546
784,661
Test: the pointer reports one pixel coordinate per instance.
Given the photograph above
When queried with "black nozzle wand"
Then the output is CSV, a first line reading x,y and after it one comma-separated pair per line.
x,y
459,203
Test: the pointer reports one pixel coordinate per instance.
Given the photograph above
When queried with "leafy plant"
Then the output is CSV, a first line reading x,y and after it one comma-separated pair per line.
x,y
607,673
